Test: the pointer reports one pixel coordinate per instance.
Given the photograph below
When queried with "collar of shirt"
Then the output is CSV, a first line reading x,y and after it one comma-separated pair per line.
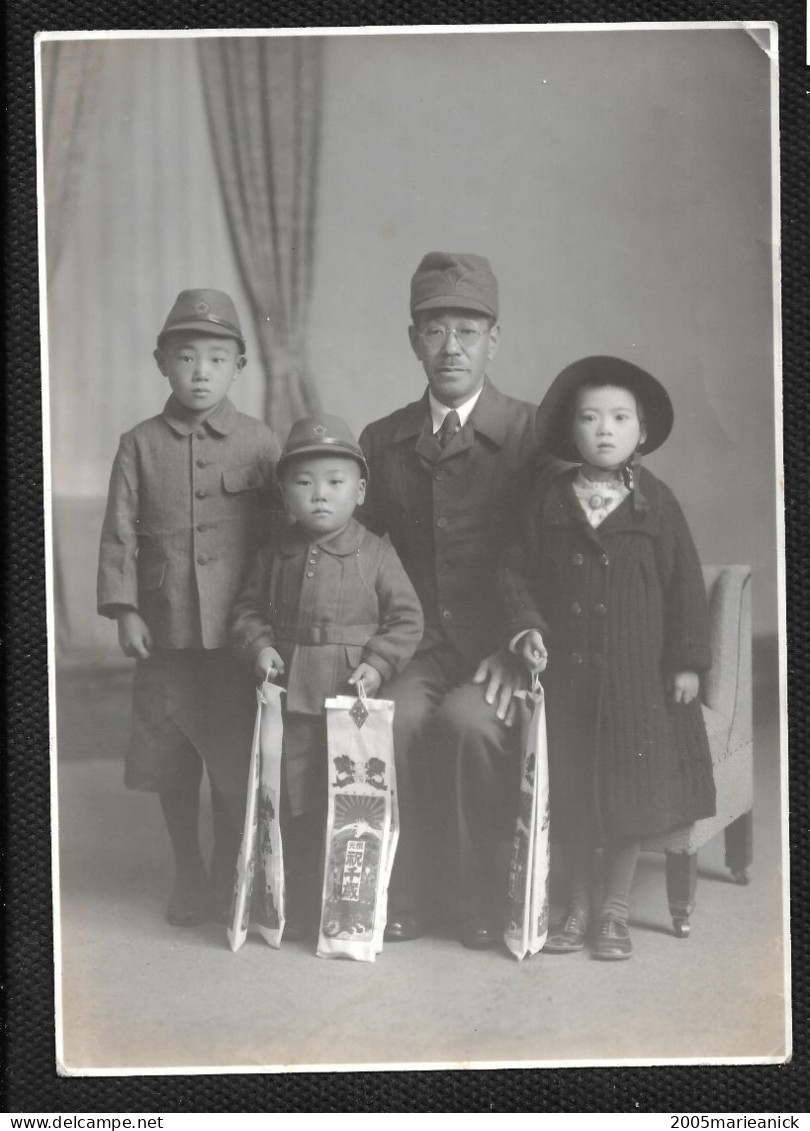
x,y
491,416
295,540
438,411
182,421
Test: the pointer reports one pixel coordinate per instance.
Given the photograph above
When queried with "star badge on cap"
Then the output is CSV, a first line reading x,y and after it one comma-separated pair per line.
x,y
359,713
319,429
202,307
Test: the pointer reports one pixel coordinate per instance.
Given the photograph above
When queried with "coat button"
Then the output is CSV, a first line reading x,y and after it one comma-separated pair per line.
x,y
604,560
201,463
600,609
310,573
576,608
201,494
439,475
441,522
577,559
312,561
202,527
313,549
447,615
202,559
201,435
576,658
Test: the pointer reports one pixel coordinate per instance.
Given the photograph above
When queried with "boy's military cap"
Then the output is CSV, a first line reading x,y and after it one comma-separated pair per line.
x,y
457,280
204,312
555,415
322,434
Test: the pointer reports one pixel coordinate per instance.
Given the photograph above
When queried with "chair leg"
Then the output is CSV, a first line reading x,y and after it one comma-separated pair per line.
x,y
681,885
739,837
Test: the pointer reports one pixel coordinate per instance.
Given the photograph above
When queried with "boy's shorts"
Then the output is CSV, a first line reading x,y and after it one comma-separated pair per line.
x,y
191,706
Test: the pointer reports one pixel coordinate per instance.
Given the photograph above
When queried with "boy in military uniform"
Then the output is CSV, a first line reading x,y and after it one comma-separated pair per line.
x,y
327,606
191,494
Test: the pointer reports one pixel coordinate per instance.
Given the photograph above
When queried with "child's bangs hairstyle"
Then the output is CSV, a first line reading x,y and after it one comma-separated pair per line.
x,y
555,416
605,384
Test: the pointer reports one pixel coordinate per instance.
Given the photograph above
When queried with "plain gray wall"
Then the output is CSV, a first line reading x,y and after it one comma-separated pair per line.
x,y
619,181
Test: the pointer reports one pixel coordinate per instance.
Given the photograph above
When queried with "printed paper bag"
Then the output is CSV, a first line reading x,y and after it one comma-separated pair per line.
x,y
527,894
362,827
258,899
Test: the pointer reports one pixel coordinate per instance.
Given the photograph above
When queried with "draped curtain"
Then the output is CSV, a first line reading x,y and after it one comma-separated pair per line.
x,y
70,83
263,103
70,74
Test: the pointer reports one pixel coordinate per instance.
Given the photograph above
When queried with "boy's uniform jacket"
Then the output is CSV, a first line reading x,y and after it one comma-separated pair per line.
x,y
188,506
621,608
326,608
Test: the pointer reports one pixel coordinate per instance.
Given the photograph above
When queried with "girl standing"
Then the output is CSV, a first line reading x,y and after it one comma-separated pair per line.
x,y
606,577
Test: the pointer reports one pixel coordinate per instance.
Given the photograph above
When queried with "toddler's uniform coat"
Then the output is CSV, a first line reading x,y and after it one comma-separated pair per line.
x,y
325,607
621,608
189,504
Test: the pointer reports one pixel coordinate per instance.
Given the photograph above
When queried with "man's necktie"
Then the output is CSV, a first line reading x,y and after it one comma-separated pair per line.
x,y
450,425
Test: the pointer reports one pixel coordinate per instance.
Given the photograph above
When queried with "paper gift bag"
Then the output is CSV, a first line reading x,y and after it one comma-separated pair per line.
x,y
258,899
362,827
528,888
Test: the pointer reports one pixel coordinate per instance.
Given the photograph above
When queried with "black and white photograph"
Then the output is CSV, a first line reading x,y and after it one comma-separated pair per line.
x,y
414,544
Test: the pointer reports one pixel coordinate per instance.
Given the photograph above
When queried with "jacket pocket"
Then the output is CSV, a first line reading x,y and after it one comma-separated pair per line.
x,y
151,572
238,479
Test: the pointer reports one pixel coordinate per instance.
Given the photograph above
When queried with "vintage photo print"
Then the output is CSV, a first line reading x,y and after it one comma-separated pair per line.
x,y
374,253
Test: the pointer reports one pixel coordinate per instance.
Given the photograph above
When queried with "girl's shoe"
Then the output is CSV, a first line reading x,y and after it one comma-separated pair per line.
x,y
569,935
612,941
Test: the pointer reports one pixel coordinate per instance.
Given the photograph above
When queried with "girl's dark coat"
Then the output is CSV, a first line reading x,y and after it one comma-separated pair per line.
x,y
621,608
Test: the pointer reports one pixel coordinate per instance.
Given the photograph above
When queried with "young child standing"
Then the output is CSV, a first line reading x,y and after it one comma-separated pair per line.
x,y
327,606
191,494
606,577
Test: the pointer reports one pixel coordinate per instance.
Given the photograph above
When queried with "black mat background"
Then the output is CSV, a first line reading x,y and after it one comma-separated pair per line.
x,y
29,1079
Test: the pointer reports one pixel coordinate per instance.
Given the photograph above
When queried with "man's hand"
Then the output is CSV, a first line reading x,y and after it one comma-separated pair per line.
x,y
685,687
370,677
503,678
134,636
533,651
268,665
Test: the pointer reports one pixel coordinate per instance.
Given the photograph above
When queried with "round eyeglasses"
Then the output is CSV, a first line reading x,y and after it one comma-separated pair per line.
x,y
434,335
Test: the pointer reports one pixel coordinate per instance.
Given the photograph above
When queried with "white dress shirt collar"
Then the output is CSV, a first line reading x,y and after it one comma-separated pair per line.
x,y
438,411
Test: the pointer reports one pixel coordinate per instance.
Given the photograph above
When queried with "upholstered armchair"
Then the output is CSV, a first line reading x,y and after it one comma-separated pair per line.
x,y
726,697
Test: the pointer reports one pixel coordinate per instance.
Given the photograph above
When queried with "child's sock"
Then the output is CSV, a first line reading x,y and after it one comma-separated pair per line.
x,y
188,904
620,869
578,857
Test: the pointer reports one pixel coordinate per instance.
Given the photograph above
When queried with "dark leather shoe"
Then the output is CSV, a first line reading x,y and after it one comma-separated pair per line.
x,y
477,934
569,936
612,941
403,928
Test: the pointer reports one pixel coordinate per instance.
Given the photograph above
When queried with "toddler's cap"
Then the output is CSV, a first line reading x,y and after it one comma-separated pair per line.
x,y
206,312
553,420
322,434
459,280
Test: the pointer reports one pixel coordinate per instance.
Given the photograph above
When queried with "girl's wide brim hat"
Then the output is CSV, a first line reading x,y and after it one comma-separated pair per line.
x,y
555,414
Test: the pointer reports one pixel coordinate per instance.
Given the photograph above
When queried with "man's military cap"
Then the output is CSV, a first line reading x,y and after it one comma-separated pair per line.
x,y
461,281
322,434
204,312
